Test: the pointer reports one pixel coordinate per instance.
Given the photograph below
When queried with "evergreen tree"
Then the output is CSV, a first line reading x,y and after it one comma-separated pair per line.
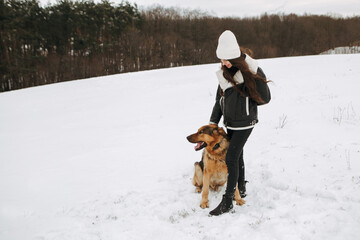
x,y
80,39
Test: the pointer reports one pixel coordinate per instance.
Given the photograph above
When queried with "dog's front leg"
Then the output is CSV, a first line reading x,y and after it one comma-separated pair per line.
x,y
205,192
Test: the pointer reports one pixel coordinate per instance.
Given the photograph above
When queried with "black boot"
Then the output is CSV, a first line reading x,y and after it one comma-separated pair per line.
x,y
224,206
242,189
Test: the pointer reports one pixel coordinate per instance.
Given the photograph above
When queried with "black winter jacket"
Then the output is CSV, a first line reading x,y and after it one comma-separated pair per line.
x,y
239,112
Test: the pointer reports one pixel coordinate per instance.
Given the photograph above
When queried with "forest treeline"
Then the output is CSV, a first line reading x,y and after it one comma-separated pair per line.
x,y
81,39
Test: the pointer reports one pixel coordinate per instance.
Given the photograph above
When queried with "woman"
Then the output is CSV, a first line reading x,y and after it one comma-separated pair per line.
x,y
242,87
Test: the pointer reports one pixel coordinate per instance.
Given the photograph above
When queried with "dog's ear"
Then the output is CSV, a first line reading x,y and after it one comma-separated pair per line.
x,y
221,131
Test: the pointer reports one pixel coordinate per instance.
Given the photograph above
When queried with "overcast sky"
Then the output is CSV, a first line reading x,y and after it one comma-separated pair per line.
x,y
250,8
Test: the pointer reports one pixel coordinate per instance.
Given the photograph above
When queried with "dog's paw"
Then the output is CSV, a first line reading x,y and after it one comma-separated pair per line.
x,y
204,204
240,201
198,189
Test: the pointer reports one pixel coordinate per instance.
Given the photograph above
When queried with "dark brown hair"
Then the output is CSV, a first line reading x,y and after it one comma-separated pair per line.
x,y
249,88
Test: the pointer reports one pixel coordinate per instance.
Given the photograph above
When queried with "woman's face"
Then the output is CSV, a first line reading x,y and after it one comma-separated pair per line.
x,y
226,63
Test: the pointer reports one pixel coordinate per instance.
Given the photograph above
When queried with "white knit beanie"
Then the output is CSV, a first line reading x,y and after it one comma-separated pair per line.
x,y
228,47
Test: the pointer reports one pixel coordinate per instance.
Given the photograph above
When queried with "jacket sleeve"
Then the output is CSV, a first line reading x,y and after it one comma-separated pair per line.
x,y
216,112
262,87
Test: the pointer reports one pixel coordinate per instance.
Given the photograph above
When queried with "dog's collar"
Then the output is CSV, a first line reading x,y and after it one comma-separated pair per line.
x,y
216,146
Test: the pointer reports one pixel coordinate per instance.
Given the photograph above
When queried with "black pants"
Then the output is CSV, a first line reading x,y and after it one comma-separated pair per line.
x,y
235,160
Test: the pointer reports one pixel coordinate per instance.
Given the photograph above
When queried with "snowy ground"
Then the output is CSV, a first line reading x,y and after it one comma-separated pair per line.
x,y
106,158
343,50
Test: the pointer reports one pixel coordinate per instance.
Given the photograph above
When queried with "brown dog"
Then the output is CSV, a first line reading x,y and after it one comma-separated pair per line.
x,y
211,171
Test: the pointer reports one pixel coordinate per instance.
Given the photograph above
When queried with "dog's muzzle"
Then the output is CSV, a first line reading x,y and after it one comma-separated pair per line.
x,y
199,145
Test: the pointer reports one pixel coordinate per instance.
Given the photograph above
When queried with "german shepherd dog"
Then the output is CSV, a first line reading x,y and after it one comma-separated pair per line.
x,y
211,171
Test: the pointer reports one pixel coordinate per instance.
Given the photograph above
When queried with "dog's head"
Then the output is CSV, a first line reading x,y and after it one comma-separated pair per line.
x,y
209,136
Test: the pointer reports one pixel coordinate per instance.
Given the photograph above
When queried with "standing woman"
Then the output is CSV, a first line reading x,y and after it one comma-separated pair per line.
x,y
242,87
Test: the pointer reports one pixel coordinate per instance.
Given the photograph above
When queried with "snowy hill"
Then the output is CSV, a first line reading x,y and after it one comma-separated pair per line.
x,y
343,50
106,158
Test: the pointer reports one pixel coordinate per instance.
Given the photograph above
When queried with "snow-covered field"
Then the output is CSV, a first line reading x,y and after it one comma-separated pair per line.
x,y
107,158
343,50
